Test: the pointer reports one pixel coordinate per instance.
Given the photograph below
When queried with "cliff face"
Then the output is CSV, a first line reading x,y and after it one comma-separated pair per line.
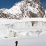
x,y
24,9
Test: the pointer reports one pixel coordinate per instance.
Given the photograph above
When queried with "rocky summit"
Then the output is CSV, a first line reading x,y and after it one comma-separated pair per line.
x,y
24,9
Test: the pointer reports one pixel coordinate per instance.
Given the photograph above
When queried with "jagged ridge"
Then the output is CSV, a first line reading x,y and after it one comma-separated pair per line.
x,y
24,9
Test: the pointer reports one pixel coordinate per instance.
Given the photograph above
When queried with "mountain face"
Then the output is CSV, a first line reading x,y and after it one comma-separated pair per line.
x,y
24,9
45,14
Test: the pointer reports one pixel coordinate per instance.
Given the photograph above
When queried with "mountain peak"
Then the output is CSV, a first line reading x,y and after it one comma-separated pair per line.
x,y
24,9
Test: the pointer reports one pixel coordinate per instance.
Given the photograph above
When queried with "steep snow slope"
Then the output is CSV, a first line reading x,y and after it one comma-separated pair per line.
x,y
23,9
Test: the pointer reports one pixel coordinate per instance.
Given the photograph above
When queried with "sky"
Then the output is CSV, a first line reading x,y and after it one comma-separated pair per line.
x,y
10,3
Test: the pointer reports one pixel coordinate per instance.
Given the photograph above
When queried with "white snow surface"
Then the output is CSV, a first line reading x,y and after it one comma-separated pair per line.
x,y
20,29
27,41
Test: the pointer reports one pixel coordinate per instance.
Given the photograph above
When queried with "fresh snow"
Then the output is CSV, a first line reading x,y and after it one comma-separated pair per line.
x,y
10,21
15,10
27,41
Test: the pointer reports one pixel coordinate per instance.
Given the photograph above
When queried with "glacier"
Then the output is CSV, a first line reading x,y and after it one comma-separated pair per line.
x,y
22,29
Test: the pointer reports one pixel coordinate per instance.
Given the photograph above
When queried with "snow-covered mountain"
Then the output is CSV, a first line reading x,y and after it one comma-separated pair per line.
x,y
23,9
17,20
